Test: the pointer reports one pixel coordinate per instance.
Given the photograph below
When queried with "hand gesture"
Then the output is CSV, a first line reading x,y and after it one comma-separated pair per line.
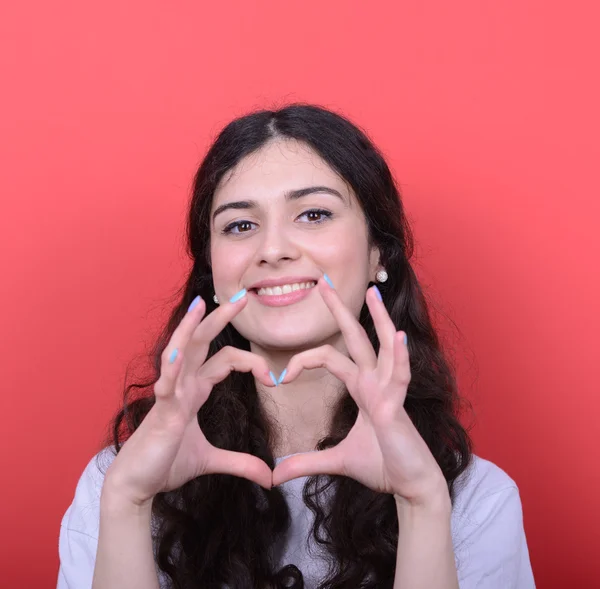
x,y
383,450
168,448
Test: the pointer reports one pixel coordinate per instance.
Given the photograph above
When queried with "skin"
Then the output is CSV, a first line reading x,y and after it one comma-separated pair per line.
x,y
322,346
277,238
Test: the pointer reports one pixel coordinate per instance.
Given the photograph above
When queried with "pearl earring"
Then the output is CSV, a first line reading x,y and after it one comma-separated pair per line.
x,y
381,276
215,299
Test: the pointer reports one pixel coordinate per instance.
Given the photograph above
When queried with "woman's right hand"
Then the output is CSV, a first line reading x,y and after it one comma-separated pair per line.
x,y
168,448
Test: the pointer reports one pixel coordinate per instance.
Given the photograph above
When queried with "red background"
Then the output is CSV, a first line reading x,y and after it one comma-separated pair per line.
x,y
488,114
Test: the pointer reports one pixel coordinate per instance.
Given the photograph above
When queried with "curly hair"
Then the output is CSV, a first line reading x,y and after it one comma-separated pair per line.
x,y
220,530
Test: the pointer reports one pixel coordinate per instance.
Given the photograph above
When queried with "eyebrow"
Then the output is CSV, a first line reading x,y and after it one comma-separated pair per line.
x,y
289,196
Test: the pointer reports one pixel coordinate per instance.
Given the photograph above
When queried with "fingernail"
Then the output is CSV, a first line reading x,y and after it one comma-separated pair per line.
x,y
238,295
273,378
405,340
328,281
173,356
194,303
377,292
282,376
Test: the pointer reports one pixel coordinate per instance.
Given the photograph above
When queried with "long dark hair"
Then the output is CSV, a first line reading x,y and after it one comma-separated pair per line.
x,y
222,530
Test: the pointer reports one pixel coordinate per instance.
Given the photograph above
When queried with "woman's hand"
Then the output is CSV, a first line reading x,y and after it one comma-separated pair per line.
x,y
168,448
383,450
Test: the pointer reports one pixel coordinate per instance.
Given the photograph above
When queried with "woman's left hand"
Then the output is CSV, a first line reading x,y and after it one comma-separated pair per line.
x,y
384,451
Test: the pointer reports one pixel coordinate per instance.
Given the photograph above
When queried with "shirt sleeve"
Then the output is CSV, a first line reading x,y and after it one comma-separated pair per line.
x,y
490,545
78,538
77,558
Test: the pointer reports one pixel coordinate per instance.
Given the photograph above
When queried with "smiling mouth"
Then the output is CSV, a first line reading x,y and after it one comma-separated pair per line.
x,y
284,288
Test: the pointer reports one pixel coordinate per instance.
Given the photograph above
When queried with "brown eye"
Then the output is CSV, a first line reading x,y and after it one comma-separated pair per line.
x,y
238,227
315,216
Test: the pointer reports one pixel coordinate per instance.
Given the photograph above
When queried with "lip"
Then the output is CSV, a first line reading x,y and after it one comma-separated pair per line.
x,y
283,299
270,282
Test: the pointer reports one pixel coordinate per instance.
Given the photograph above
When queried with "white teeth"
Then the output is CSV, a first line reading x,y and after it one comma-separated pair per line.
x,y
285,288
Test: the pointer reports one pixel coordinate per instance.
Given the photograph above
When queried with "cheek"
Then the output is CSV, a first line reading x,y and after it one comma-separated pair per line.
x,y
228,264
342,253
351,264
335,250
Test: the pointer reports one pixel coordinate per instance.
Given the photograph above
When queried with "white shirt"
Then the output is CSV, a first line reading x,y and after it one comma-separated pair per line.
x,y
487,530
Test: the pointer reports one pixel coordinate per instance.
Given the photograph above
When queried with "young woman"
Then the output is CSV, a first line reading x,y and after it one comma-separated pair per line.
x,y
301,428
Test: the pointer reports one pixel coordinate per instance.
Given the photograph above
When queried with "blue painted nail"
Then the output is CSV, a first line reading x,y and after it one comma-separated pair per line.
x,y
328,281
377,292
273,378
282,376
194,303
173,356
238,295
405,340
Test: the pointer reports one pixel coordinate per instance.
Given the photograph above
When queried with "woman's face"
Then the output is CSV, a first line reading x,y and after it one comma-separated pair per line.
x,y
276,242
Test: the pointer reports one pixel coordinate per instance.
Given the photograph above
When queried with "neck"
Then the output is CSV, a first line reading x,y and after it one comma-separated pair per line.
x,y
301,411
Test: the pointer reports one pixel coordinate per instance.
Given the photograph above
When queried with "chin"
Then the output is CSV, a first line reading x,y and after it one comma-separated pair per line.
x,y
293,339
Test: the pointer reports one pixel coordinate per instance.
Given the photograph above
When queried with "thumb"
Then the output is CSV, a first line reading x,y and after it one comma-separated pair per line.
x,y
328,461
239,464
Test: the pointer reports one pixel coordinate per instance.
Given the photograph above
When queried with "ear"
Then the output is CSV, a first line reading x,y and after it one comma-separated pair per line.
x,y
374,263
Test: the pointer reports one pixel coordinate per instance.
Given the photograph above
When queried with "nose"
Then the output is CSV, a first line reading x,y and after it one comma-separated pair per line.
x,y
276,246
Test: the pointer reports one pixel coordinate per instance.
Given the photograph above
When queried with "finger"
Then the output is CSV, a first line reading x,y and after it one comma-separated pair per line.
x,y
172,356
216,321
239,464
322,357
230,359
401,374
386,330
196,350
195,386
328,461
356,338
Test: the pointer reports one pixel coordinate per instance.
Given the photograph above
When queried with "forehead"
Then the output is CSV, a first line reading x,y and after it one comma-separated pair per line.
x,y
277,167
